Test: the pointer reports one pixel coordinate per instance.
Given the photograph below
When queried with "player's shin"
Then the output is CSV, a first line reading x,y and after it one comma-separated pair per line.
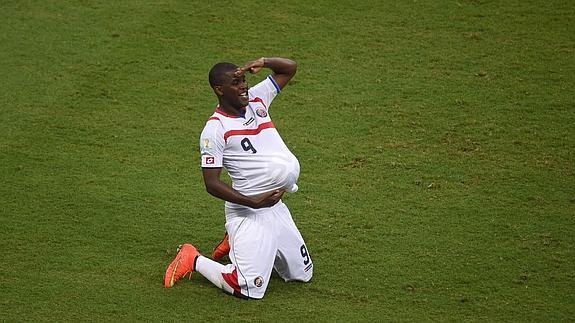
x,y
212,271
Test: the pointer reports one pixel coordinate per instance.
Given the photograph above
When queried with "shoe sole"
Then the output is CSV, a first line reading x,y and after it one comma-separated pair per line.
x,y
174,274
177,264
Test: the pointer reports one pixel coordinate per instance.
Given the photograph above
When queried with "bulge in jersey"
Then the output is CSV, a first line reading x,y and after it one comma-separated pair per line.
x,y
260,163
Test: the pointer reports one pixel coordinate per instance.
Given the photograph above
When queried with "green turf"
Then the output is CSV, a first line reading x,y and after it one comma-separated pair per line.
x,y
436,140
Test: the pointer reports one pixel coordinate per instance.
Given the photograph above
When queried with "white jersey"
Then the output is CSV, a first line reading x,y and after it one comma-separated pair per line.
x,y
249,147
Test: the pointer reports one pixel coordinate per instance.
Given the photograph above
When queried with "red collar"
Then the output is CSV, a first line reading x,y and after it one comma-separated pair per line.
x,y
222,112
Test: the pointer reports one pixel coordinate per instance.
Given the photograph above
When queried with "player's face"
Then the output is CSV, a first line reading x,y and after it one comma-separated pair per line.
x,y
235,90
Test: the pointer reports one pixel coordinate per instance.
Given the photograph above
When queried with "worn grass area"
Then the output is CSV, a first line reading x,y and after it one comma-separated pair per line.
x,y
436,141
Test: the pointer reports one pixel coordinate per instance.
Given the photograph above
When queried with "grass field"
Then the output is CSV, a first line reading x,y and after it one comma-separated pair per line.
x,y
436,140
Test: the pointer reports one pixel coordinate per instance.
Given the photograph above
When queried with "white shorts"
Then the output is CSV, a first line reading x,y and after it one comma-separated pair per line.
x,y
265,239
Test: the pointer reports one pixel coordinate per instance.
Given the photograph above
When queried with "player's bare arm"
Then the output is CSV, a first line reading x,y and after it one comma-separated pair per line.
x,y
221,190
283,69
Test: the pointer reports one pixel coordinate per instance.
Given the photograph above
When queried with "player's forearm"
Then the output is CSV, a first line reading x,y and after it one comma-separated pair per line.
x,y
280,65
223,191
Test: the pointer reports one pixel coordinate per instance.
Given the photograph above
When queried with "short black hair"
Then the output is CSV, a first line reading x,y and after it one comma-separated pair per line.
x,y
218,71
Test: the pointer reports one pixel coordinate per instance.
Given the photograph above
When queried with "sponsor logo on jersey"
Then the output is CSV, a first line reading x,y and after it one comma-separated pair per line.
x,y
247,123
259,281
209,160
261,112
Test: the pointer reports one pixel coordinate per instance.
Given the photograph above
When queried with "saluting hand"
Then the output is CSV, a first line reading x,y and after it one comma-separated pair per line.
x,y
253,67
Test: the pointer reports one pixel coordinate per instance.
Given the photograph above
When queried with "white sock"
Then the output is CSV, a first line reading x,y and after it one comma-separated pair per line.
x,y
213,272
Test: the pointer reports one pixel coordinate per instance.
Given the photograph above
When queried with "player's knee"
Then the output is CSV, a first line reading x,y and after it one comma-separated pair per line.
x,y
308,276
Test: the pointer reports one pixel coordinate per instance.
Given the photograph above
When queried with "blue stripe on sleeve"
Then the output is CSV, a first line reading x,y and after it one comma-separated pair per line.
x,y
274,83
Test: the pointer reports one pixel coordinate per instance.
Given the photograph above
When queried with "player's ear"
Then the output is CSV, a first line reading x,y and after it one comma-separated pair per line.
x,y
218,90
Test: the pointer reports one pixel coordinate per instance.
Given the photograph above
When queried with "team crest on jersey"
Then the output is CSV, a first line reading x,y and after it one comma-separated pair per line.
x,y
261,112
259,281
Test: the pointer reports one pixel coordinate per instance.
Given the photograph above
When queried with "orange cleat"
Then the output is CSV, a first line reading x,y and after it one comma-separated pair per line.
x,y
183,264
222,249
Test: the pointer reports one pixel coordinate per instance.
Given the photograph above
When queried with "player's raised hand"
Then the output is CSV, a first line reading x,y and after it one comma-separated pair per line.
x,y
267,199
252,67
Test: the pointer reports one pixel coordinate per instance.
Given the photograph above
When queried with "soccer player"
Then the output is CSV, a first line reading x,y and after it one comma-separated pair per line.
x,y
241,137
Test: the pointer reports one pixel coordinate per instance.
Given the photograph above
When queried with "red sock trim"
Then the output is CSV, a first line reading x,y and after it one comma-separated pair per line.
x,y
232,280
